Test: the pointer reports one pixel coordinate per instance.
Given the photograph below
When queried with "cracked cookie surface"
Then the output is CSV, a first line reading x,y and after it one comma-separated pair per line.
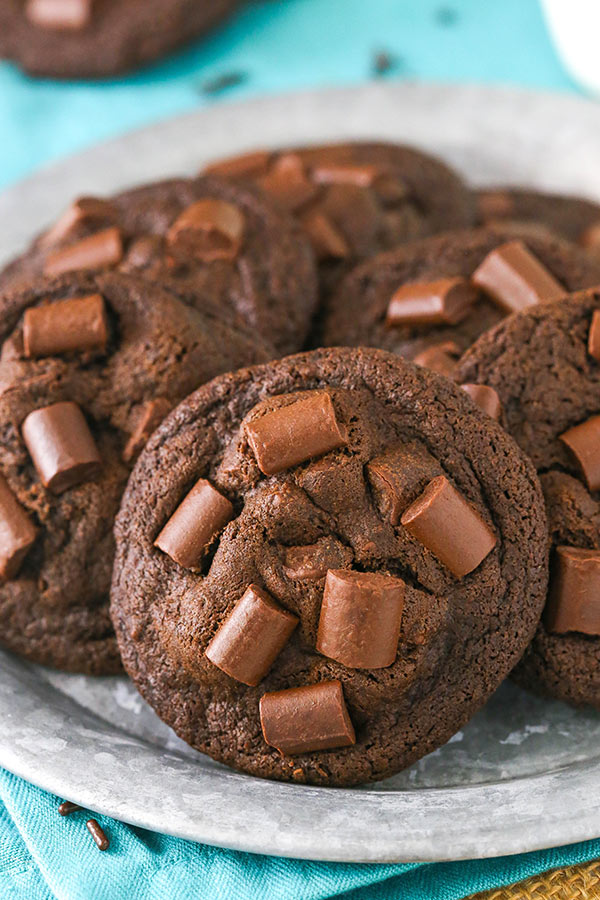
x,y
285,532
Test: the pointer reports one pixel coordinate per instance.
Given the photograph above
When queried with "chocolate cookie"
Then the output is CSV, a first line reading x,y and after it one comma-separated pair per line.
x,y
426,301
545,366
221,243
333,552
98,38
573,218
355,200
90,367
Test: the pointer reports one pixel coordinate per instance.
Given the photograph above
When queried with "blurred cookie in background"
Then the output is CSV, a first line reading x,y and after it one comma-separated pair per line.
x,y
574,218
99,38
357,199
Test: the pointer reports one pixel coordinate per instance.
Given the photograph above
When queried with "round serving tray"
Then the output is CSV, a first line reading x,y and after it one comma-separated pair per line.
x,y
525,773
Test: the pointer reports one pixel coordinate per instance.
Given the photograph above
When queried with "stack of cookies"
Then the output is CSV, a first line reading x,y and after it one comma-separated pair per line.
x,y
310,446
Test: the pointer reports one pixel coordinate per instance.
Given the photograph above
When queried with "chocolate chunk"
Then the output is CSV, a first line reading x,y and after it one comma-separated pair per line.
x,y
198,519
300,720
313,561
207,230
398,476
59,15
443,521
440,358
392,190
144,253
288,184
443,302
345,173
91,211
515,279
153,412
360,618
249,164
583,441
17,533
252,637
495,204
99,835
100,250
61,446
327,241
594,336
66,808
485,397
574,595
294,433
65,326
590,238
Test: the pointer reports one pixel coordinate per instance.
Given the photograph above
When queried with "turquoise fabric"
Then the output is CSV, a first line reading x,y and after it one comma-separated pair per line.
x,y
277,45
282,45
44,856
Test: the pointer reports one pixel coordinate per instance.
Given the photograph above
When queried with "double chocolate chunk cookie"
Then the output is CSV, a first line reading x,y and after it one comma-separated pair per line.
x,y
97,38
573,218
355,200
325,565
429,300
90,365
222,244
545,366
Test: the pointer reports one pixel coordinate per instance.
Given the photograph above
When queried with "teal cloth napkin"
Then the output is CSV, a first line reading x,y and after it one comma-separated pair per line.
x,y
44,856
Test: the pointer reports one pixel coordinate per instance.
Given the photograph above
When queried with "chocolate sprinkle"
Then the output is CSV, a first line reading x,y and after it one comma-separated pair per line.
x,y
221,83
98,834
66,808
383,62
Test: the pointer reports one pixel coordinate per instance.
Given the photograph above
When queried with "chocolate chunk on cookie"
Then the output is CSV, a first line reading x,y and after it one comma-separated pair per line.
x,y
355,200
90,365
542,366
223,245
573,218
325,565
429,300
99,38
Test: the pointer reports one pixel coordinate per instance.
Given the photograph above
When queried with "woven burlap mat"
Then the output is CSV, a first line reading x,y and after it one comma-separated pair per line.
x,y
571,883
